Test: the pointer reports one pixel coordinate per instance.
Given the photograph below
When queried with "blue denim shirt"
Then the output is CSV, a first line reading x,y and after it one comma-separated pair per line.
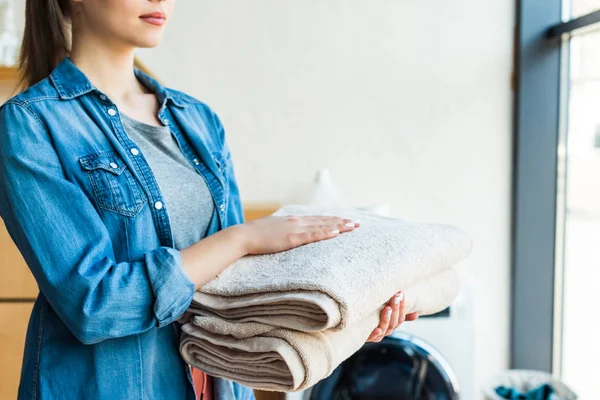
x,y
82,205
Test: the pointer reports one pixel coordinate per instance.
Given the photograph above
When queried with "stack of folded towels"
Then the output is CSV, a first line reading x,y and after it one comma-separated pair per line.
x,y
285,321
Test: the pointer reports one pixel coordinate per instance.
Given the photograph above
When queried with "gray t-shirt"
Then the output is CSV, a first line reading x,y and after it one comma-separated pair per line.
x,y
186,197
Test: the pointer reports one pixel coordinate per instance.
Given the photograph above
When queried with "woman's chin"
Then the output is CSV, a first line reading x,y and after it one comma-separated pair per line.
x,y
147,44
146,41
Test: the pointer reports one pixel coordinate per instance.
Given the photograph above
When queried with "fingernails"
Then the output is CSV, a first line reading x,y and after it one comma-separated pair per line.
x,y
388,313
350,225
335,231
356,222
398,298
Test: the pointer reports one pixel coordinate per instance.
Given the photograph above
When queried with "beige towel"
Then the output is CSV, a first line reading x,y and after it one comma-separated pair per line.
x,y
285,321
270,358
356,272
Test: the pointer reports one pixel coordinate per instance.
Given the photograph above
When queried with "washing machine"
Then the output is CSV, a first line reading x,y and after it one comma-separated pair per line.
x,y
432,358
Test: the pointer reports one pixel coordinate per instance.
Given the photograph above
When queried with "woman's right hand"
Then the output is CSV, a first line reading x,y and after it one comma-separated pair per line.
x,y
273,234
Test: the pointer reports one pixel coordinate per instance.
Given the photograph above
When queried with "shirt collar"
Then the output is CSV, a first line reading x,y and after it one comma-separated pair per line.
x,y
71,82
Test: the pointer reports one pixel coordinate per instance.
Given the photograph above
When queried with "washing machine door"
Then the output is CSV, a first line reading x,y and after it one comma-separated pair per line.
x,y
397,368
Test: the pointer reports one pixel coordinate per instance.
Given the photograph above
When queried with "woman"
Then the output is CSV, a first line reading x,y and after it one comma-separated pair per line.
x,y
120,194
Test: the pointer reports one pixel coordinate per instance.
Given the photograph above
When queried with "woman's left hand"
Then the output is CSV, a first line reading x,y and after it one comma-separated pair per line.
x,y
391,317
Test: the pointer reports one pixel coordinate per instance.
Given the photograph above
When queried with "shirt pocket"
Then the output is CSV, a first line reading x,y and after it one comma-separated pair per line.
x,y
113,185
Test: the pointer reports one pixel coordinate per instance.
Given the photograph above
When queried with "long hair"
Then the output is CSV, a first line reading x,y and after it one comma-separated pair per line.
x,y
46,39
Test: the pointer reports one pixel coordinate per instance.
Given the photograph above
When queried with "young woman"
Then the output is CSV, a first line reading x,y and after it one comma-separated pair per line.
x,y
121,196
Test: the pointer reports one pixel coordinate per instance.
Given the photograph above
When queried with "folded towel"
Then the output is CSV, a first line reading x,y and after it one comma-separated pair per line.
x,y
356,272
285,321
271,358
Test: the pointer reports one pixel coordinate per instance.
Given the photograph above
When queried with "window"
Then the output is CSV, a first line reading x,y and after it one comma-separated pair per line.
x,y
583,7
556,242
581,240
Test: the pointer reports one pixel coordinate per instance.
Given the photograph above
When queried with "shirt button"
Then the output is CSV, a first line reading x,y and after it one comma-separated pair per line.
x,y
134,151
113,165
112,112
196,161
166,121
222,207
158,205
103,97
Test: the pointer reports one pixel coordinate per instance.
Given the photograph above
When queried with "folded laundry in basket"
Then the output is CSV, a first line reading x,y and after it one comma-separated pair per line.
x,y
336,282
281,359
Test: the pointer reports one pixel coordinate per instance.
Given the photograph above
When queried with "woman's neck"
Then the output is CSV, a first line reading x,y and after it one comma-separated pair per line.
x,y
108,66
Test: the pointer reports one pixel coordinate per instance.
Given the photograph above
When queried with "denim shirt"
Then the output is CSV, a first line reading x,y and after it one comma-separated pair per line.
x,y
82,205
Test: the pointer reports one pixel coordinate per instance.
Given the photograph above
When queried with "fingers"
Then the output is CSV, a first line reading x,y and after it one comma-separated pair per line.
x,y
311,221
315,228
341,224
412,316
402,311
398,311
374,335
384,321
391,317
378,332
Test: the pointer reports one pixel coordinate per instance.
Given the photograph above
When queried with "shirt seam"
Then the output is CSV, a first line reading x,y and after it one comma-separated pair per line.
x,y
26,102
39,348
141,368
25,107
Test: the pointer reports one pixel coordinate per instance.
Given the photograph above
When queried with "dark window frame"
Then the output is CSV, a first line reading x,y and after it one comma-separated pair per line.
x,y
541,70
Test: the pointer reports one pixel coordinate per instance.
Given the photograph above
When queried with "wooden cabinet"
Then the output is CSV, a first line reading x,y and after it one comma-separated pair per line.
x,y
14,318
18,290
8,74
259,210
16,281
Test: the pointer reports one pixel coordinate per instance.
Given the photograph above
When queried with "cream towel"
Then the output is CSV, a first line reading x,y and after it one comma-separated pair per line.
x,y
270,358
285,321
356,272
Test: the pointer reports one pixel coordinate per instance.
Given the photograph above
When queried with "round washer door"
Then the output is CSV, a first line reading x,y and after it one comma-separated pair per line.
x,y
400,367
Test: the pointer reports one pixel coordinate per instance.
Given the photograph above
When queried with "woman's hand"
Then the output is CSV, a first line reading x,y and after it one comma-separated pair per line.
x,y
391,317
273,234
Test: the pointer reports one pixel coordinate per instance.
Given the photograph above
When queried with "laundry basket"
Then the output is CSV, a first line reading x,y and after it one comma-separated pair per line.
x,y
525,380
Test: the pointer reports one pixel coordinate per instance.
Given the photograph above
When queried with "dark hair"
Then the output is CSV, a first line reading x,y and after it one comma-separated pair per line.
x,y
46,39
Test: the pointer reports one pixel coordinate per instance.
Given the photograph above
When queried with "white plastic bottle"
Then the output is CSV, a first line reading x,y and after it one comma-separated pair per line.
x,y
324,193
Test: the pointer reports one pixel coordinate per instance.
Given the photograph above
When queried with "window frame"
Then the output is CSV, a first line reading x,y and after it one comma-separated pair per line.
x,y
542,38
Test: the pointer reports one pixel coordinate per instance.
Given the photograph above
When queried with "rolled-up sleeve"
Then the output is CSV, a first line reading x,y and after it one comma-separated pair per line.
x,y
172,288
68,248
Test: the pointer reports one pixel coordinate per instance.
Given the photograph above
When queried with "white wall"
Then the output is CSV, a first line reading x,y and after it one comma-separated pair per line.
x,y
407,102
